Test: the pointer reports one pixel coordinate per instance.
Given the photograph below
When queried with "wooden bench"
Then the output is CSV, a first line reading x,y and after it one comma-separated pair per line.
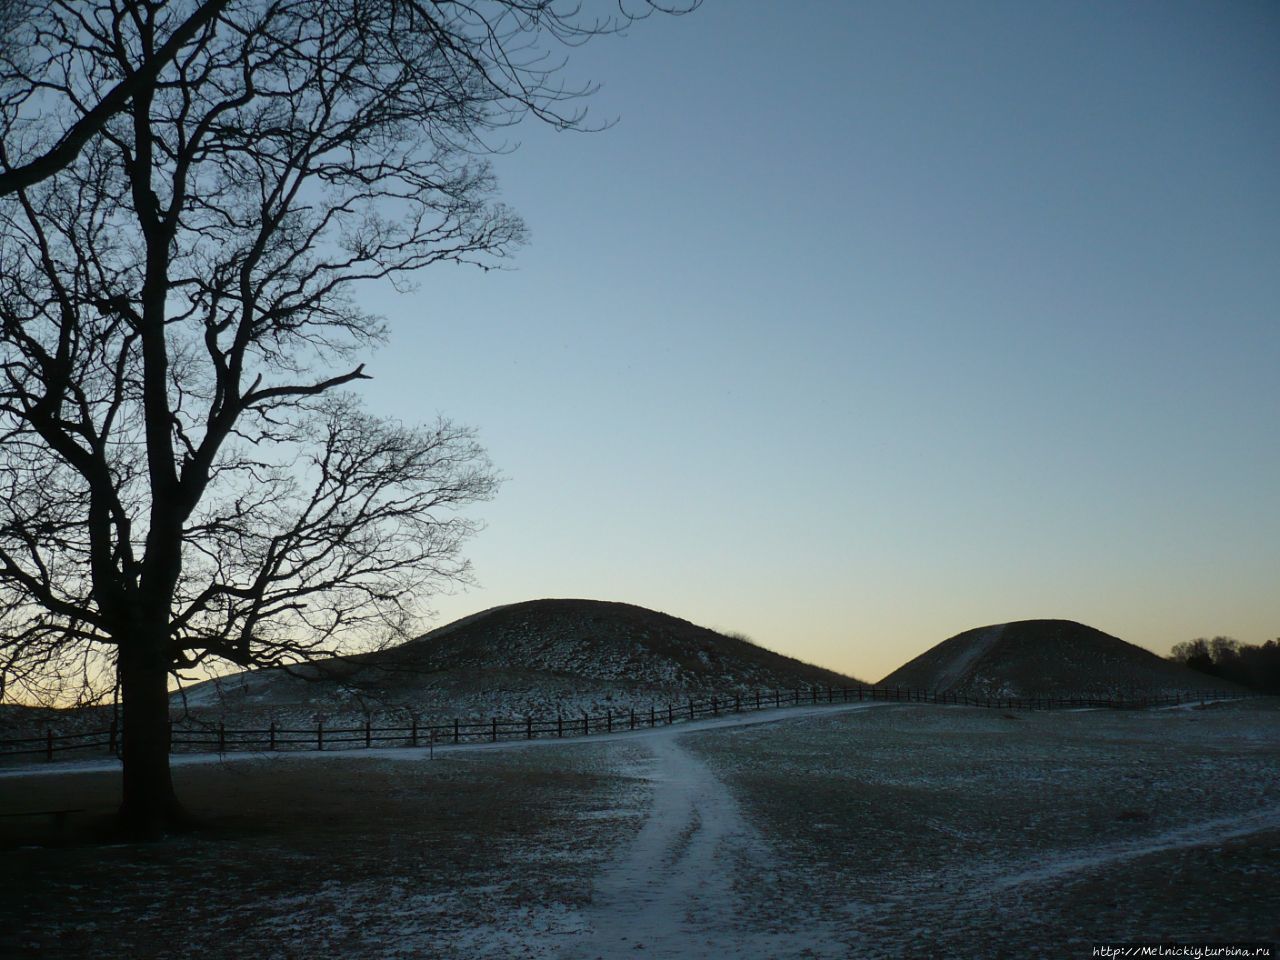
x,y
57,817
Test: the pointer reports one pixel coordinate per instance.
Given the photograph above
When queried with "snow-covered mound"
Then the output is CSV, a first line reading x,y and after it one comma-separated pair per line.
x,y
533,658
1046,658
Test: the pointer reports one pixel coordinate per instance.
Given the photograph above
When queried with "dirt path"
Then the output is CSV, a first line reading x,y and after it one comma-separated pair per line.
x,y
979,647
675,892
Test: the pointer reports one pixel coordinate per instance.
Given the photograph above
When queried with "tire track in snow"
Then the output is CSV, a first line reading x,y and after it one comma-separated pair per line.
x,y
981,892
671,894
1198,834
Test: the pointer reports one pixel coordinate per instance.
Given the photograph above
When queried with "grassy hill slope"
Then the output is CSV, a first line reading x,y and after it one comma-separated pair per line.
x,y
1042,658
523,658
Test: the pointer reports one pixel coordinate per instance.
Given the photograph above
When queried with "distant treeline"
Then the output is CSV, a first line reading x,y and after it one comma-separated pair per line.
x,y
1256,666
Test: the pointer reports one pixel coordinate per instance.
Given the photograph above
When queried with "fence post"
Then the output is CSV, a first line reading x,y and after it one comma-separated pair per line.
x,y
222,737
586,724
528,728
413,731
455,730
368,732
559,725
653,716
797,693
319,734
608,721
271,744
715,707
48,744
494,737
633,718
737,703
671,717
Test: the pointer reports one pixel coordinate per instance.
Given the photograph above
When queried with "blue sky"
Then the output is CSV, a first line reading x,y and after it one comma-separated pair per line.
x,y
870,323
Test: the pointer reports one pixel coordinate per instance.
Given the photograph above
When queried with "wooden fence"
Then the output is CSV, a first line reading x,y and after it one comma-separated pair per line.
x,y
210,738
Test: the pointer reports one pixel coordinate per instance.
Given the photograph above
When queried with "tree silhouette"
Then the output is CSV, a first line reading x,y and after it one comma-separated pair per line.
x,y
1251,665
89,120
192,191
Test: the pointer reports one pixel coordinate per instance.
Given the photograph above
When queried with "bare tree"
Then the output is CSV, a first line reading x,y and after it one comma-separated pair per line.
x,y
182,474
90,118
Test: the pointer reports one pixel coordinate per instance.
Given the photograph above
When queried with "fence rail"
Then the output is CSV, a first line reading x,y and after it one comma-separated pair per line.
x,y
218,738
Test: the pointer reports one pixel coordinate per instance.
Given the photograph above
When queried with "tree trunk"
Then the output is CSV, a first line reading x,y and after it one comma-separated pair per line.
x,y
149,804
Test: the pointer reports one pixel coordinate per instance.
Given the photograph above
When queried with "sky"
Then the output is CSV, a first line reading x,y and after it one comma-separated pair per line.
x,y
869,323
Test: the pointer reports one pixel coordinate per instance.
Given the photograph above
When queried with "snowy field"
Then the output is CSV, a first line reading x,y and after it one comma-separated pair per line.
x,y
880,830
